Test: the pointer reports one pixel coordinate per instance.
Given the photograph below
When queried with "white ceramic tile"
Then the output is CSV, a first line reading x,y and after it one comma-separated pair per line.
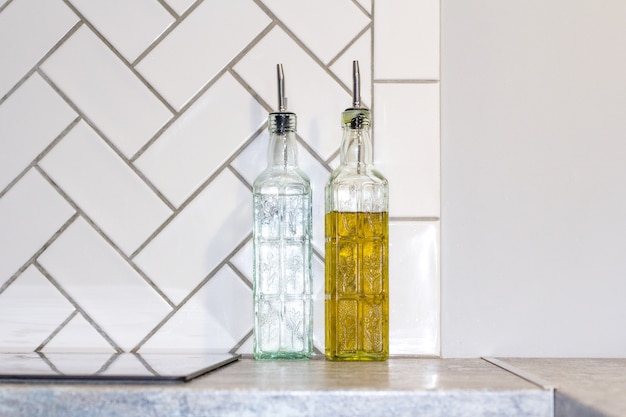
x,y
201,140
29,120
215,319
395,23
110,291
311,92
105,188
109,94
414,288
31,308
406,146
199,238
243,260
200,47
252,161
78,336
30,213
325,26
28,29
180,6
360,51
130,26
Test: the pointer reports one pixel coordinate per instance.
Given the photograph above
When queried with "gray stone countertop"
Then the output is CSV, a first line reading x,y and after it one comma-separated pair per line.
x,y
583,387
398,387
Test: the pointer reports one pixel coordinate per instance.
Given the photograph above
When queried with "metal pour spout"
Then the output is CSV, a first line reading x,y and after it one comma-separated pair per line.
x,y
356,85
282,100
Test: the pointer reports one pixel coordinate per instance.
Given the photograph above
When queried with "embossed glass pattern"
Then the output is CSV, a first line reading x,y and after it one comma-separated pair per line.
x,y
357,224
282,250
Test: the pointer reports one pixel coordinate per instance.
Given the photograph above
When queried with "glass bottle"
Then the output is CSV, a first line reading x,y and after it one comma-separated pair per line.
x,y
356,232
282,245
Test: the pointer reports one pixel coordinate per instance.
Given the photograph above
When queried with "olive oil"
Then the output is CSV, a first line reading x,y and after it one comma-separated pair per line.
x,y
357,302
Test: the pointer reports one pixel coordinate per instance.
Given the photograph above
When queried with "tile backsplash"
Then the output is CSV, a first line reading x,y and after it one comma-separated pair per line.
x,y
130,135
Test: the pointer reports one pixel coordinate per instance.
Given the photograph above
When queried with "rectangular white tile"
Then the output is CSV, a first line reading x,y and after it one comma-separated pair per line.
x,y
204,43
31,308
78,336
406,39
30,213
105,188
98,279
324,26
201,140
28,29
215,319
199,238
109,94
414,295
29,120
311,93
406,146
130,26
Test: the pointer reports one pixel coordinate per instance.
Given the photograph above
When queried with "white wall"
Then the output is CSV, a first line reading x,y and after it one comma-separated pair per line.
x,y
533,178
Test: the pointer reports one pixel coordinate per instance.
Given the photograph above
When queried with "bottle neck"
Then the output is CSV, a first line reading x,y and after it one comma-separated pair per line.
x,y
283,151
356,146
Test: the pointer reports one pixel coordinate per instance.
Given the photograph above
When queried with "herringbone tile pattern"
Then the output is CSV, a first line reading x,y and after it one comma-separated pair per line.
x,y
130,135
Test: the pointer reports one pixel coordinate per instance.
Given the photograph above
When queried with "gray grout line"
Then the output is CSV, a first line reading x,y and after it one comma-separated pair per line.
x,y
108,363
530,377
240,177
365,12
250,90
146,364
4,6
50,364
105,237
302,45
198,191
240,274
241,342
136,73
349,44
201,93
317,253
169,9
56,331
43,153
167,31
193,292
35,68
269,108
78,307
34,257
110,144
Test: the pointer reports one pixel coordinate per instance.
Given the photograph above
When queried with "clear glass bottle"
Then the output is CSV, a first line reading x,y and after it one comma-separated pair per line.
x,y
282,246
356,231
